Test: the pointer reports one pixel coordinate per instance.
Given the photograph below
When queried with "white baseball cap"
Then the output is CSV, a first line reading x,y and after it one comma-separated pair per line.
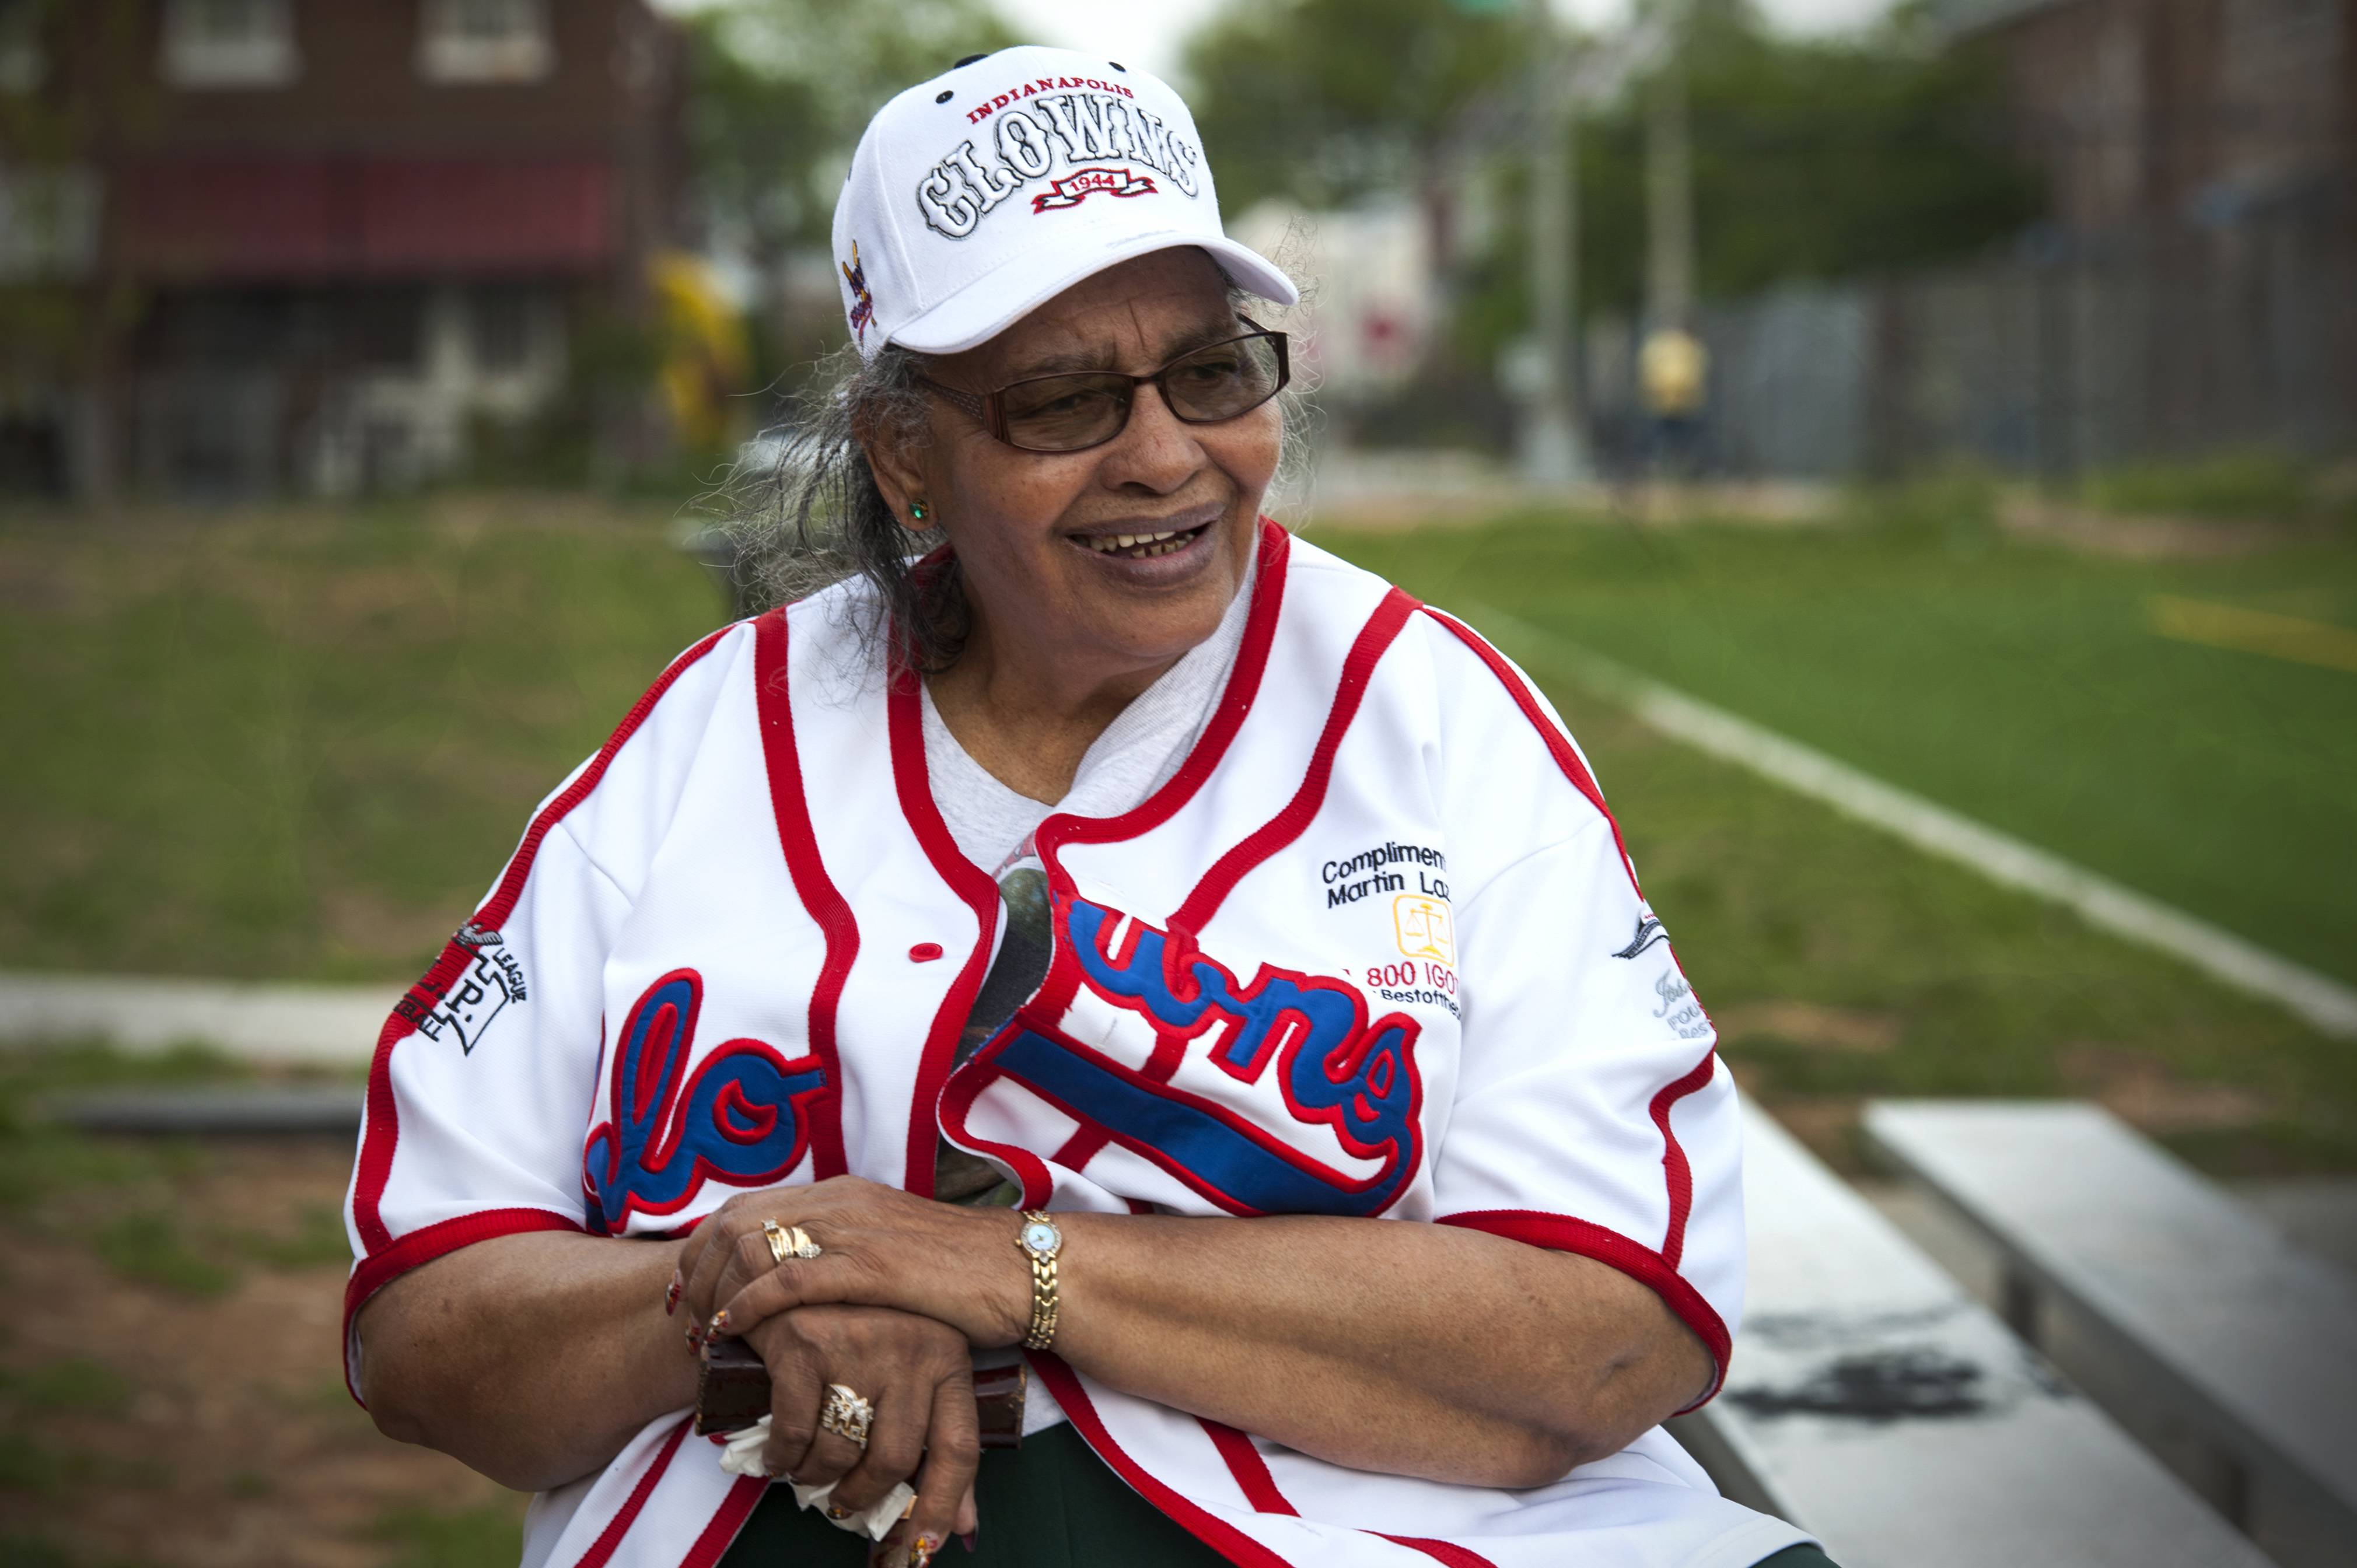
x,y
980,194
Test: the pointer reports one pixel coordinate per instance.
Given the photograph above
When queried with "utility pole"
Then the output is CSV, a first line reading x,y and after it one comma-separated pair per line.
x,y
1669,203
1554,448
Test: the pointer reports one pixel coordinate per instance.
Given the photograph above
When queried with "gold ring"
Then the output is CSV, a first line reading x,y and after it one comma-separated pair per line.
x,y
846,1415
788,1242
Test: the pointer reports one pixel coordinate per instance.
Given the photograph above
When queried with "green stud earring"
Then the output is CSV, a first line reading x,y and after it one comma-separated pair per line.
x,y
916,511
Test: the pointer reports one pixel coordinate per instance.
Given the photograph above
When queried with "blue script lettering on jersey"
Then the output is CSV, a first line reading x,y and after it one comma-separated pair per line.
x,y
1334,1067
742,1119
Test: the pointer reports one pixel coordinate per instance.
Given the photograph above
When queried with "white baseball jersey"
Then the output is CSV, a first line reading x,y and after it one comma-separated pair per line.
x,y
1374,950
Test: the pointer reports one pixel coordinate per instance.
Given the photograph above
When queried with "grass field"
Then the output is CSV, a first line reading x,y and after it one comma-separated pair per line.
x,y
287,745
169,1386
2057,696
296,744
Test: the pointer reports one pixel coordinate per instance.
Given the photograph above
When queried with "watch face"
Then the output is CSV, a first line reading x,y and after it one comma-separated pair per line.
x,y
1041,1237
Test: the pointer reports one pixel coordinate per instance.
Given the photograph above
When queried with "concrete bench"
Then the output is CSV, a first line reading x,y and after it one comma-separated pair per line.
x,y
1876,1403
2233,1352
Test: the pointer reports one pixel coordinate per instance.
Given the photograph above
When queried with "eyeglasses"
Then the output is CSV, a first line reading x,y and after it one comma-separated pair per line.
x,y
1076,411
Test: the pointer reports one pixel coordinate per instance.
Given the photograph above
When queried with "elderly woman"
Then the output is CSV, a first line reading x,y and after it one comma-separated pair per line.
x,y
1099,931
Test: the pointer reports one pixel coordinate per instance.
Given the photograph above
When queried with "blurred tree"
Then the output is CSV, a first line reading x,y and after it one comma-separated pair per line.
x,y
782,88
1325,101
72,78
1812,157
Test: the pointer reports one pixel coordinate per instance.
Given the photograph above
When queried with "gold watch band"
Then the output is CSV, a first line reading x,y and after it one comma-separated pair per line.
x,y
1042,1331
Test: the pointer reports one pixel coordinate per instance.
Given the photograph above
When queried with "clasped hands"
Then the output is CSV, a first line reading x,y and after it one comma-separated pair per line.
x,y
903,1290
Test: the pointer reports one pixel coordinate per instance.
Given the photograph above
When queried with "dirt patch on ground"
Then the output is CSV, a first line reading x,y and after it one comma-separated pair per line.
x,y
198,1416
1811,1026
2144,1093
2150,537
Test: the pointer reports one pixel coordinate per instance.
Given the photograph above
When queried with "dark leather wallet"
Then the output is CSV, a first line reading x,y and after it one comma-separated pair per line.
x,y
732,1393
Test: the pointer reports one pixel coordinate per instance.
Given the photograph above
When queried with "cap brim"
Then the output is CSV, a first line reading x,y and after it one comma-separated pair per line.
x,y
1019,285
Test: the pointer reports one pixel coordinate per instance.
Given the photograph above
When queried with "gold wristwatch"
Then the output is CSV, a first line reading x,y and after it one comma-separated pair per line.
x,y
1040,1241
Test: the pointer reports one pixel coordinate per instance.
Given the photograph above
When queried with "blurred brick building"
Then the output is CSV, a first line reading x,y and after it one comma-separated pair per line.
x,y
316,245
2194,289
2179,110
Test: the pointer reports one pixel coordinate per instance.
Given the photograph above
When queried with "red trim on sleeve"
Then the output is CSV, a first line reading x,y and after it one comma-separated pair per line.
x,y
905,720
603,1548
721,1532
1678,1175
1561,1233
378,1269
1204,1526
384,1124
1675,1170
798,840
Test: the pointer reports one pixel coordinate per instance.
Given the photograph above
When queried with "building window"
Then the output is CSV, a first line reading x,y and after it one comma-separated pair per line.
x,y
501,322
485,40
230,43
48,224
385,329
23,64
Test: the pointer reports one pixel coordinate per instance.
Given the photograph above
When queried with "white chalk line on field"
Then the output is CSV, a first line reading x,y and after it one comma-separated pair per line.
x,y
2319,1000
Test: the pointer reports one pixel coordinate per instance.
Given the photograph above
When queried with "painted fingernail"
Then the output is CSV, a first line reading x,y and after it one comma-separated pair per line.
x,y
720,1323
671,1293
966,1540
695,1336
922,1552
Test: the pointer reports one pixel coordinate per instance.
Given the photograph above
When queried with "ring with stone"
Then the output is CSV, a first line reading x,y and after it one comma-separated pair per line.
x,y
846,1414
788,1242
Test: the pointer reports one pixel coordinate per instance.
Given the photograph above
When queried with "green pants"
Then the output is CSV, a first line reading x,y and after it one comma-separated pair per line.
x,y
1053,1504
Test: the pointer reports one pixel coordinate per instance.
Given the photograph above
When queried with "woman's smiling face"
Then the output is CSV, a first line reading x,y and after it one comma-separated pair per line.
x,y
1036,533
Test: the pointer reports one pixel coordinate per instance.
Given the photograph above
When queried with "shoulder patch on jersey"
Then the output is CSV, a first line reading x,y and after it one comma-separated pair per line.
x,y
476,997
1649,934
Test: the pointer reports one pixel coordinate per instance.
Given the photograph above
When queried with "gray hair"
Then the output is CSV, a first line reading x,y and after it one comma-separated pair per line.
x,y
808,513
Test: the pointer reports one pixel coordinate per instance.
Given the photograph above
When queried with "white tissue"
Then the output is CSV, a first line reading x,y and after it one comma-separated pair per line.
x,y
742,1456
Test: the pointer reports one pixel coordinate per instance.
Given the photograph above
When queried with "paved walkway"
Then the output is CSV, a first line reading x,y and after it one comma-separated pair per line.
x,y
325,1025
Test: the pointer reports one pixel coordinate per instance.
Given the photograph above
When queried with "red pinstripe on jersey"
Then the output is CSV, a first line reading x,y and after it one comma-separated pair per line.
x,y
905,720
601,1549
817,891
721,1532
1203,1524
1375,637
1057,832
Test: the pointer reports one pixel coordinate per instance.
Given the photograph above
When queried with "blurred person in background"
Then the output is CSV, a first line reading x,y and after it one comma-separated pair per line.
x,y
1088,925
1674,378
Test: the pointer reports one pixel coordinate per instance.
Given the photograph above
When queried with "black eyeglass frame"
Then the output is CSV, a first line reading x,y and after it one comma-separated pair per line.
x,y
990,408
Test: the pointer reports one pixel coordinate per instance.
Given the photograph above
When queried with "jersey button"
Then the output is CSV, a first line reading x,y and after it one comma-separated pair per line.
x,y
924,953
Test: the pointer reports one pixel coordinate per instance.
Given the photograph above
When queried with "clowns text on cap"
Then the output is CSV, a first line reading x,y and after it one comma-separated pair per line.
x,y
1081,119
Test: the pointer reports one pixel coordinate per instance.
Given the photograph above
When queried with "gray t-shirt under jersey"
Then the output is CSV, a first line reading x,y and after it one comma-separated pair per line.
x,y
1136,755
